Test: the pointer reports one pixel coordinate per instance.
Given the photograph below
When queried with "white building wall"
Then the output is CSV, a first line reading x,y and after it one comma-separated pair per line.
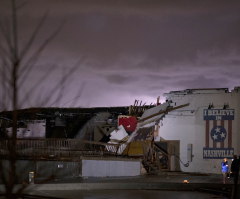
x,y
110,167
34,129
188,126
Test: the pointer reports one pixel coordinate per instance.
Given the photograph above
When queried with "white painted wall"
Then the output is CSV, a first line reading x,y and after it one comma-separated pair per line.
x,y
35,129
100,168
187,125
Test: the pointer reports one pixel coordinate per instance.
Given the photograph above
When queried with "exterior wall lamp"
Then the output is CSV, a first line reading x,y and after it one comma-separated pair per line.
x,y
225,106
210,106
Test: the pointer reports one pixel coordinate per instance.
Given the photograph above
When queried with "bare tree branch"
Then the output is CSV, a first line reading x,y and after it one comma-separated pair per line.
x,y
53,102
79,93
4,52
64,79
6,34
33,37
16,66
30,63
40,96
3,90
36,85
6,69
15,34
6,81
62,87
21,5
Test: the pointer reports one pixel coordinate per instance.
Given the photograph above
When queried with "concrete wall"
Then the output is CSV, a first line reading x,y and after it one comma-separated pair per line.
x,y
188,126
41,169
56,169
23,167
91,167
110,167
32,129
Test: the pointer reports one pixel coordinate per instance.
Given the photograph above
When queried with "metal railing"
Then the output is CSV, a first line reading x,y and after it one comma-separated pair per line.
x,y
165,157
58,147
150,154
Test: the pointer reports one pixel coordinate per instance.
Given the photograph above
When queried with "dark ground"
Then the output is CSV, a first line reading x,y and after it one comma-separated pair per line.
x,y
131,194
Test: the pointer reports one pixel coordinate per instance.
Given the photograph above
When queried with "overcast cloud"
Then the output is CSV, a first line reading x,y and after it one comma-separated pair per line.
x,y
132,49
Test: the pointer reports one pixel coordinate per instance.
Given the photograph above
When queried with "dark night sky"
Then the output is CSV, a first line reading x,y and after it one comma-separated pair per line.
x,y
131,49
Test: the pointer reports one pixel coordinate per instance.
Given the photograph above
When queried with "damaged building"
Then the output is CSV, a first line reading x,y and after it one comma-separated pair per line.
x,y
72,123
191,132
71,141
197,127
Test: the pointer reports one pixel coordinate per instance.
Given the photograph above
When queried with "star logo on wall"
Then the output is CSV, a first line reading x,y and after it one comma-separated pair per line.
x,y
215,136
218,134
222,135
217,130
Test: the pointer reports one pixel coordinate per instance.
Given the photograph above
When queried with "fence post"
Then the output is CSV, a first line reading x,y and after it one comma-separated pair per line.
x,y
143,151
58,143
83,143
117,149
34,148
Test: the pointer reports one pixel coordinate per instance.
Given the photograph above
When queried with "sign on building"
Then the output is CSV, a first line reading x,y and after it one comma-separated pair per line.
x,y
128,122
218,133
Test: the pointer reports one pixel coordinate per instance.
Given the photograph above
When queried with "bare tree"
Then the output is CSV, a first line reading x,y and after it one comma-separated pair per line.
x,y
16,64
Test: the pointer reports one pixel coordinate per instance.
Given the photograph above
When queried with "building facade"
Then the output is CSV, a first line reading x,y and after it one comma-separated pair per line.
x,y
207,127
